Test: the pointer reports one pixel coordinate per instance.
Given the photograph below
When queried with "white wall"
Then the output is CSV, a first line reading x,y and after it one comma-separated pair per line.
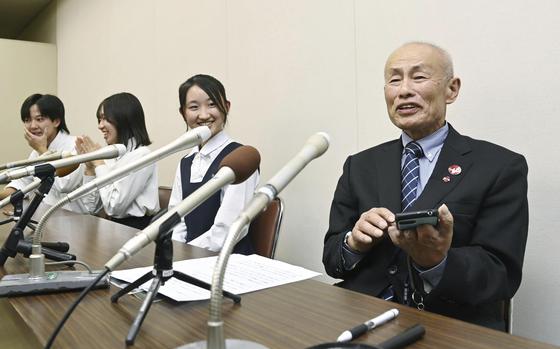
x,y
27,68
294,67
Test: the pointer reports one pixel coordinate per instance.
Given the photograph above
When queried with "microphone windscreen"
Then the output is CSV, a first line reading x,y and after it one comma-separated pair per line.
x,y
243,161
320,142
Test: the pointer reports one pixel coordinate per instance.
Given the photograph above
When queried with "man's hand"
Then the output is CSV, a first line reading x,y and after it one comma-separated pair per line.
x,y
84,144
369,229
38,143
427,245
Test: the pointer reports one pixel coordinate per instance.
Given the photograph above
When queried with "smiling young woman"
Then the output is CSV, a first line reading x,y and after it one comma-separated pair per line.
x,y
203,102
134,199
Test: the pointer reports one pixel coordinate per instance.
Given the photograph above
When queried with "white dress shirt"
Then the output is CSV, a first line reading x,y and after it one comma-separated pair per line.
x,y
233,197
62,185
135,195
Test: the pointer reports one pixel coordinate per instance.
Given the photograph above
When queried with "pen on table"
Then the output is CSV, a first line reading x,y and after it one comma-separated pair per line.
x,y
359,330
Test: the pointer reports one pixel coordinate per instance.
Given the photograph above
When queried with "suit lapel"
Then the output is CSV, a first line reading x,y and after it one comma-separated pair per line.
x,y
441,181
389,176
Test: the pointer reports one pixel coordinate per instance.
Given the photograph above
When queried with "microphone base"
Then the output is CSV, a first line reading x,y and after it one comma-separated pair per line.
x,y
230,344
56,281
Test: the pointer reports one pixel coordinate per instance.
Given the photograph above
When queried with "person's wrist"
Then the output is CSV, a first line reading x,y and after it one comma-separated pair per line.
x,y
350,243
41,149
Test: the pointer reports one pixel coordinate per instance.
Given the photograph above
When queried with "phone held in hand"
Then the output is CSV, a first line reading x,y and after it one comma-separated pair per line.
x,y
410,220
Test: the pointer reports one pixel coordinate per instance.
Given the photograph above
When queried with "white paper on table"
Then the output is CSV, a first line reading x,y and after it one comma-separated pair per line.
x,y
243,274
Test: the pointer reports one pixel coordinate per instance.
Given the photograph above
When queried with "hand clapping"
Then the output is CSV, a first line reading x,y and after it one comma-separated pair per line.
x,y
84,144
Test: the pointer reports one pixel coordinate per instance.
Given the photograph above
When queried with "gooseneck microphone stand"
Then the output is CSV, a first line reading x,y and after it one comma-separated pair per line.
x,y
15,243
16,199
163,271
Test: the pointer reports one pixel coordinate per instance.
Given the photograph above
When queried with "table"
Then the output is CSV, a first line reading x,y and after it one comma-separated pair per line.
x,y
292,316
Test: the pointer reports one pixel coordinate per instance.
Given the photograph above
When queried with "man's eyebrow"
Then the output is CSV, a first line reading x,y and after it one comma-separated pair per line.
x,y
413,68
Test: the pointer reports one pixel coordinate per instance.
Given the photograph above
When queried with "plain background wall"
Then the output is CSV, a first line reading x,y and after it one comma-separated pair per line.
x,y
22,74
295,67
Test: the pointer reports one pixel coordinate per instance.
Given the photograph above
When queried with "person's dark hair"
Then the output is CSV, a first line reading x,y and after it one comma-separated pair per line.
x,y
209,84
125,112
49,106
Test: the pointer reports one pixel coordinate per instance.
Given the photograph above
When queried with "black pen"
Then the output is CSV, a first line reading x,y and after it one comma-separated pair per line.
x,y
359,330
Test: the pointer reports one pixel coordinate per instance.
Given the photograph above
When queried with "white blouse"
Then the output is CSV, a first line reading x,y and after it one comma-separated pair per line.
x,y
134,195
233,197
62,185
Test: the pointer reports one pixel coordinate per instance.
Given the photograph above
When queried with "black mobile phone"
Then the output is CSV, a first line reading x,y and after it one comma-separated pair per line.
x,y
410,220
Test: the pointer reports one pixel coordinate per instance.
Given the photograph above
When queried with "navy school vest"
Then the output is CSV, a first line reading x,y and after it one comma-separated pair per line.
x,y
201,219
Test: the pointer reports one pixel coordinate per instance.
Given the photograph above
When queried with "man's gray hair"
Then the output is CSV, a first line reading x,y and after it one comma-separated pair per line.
x,y
447,61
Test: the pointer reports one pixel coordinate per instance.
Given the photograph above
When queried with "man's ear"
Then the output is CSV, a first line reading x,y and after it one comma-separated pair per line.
x,y
453,87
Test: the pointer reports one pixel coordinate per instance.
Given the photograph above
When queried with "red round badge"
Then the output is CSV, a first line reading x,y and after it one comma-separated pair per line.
x,y
454,170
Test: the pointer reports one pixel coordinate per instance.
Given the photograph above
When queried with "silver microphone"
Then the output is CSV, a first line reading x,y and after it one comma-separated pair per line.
x,y
107,152
31,186
235,168
36,279
315,146
191,138
43,158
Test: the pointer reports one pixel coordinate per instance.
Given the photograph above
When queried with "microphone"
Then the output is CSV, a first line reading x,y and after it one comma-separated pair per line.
x,y
31,186
36,279
108,152
191,138
61,172
235,168
315,146
42,158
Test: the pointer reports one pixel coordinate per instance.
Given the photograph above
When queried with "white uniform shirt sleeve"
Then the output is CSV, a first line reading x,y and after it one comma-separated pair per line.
x,y
91,201
134,195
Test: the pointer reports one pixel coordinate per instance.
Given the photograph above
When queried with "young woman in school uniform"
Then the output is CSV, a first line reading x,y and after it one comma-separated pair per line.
x,y
132,200
203,102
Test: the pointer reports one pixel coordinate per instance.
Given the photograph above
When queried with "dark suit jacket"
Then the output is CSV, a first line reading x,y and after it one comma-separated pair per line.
x,y
488,201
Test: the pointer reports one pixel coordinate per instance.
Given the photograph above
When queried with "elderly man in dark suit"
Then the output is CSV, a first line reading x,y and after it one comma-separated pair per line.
x,y
468,264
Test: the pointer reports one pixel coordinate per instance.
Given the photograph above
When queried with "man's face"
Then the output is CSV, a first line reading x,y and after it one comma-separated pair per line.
x,y
417,89
40,125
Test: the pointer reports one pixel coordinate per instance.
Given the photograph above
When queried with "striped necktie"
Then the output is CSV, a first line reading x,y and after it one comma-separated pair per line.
x,y
410,174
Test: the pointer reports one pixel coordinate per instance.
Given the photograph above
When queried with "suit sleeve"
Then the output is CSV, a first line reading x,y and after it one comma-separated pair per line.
x,y
489,267
344,214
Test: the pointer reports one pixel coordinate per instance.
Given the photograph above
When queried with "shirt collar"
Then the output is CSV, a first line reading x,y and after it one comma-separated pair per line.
x,y
213,144
430,144
130,146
